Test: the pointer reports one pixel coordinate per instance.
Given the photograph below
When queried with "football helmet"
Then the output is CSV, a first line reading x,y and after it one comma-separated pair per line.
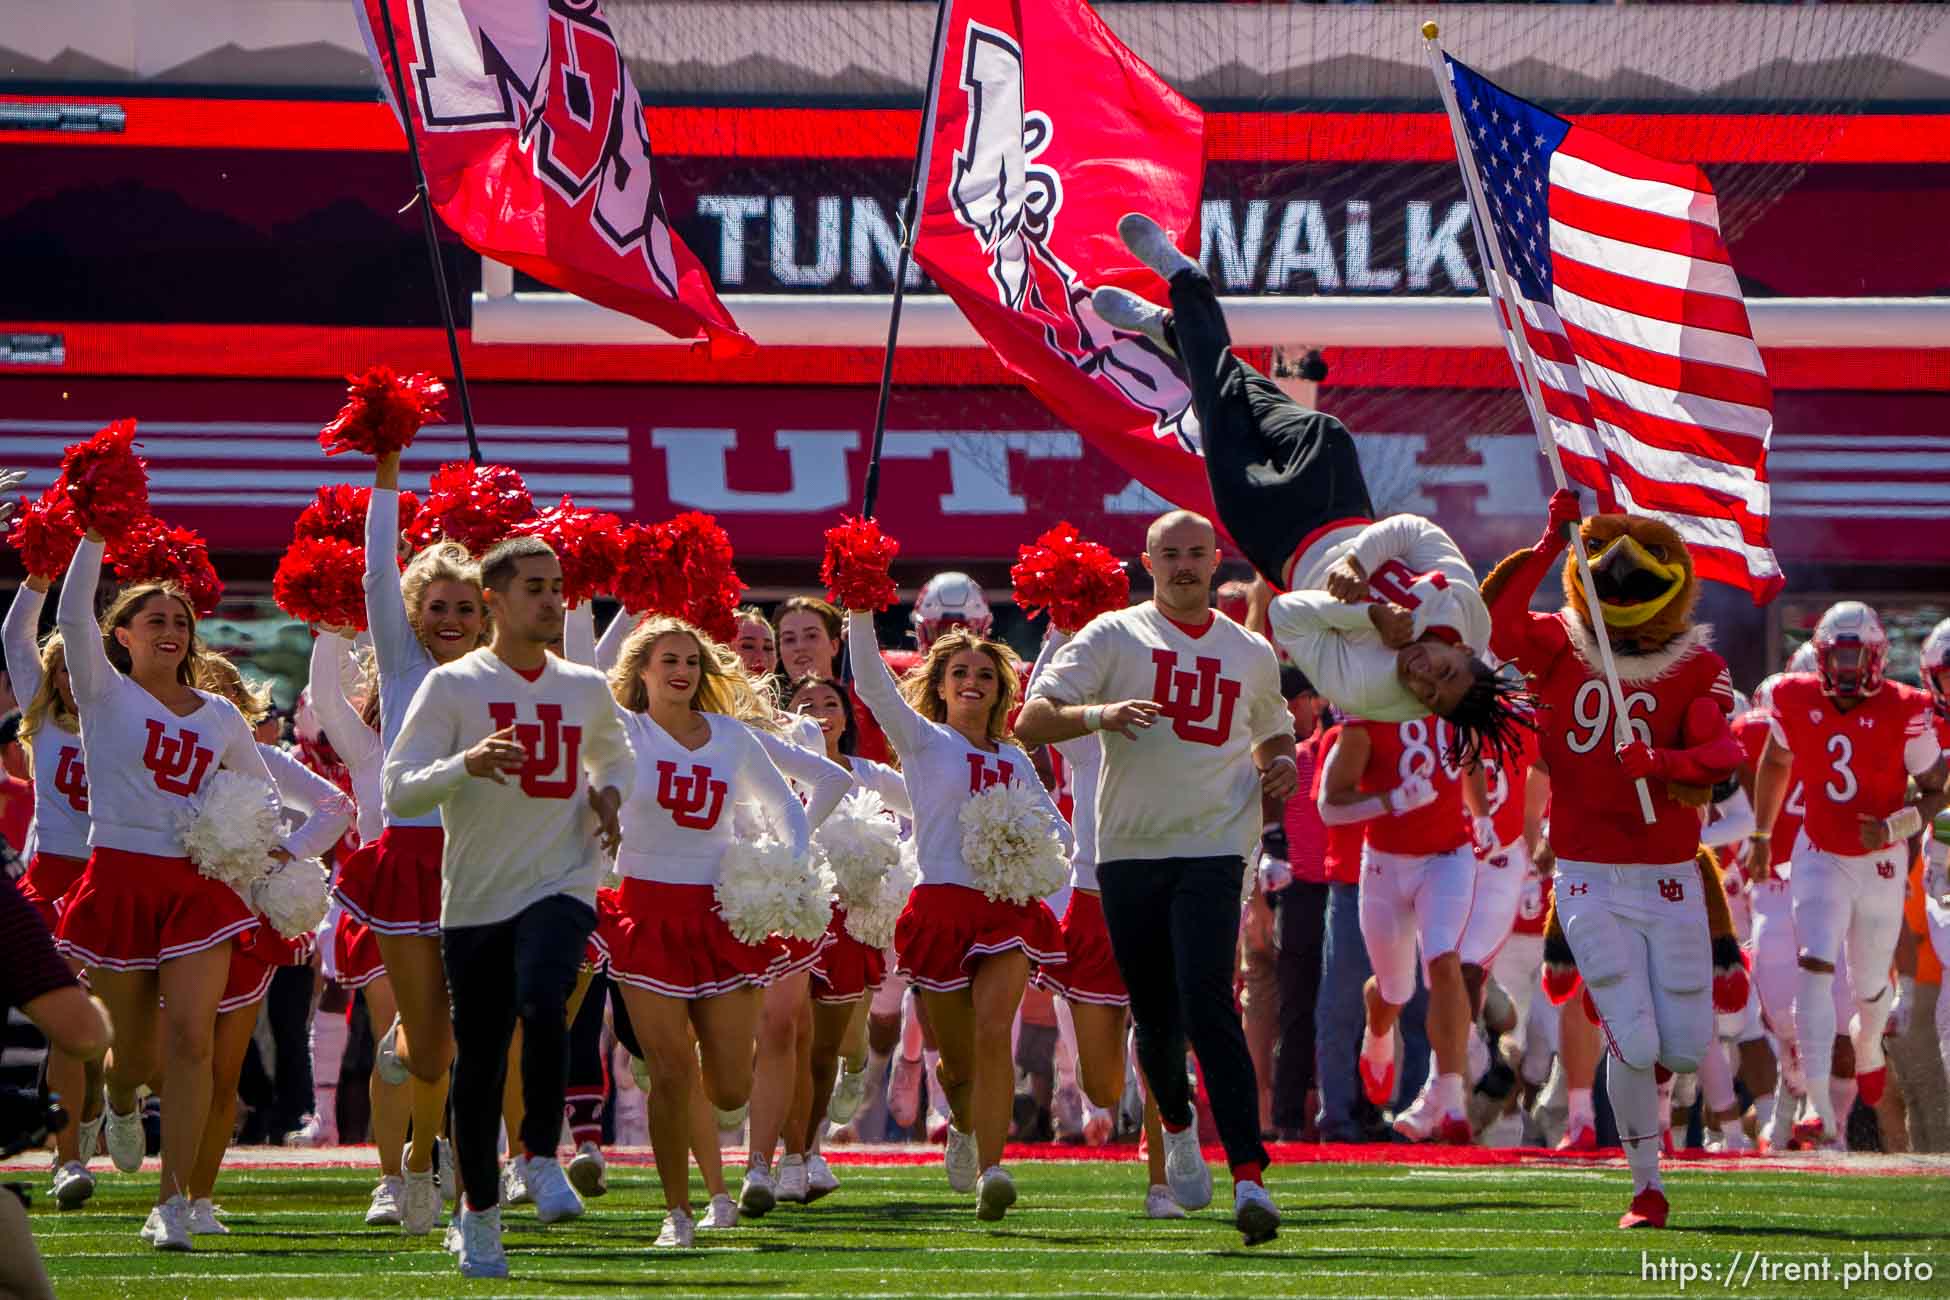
x,y
1935,658
1851,649
949,600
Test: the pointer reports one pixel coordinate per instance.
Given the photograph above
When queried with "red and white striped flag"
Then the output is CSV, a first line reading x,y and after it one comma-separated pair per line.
x,y
1652,386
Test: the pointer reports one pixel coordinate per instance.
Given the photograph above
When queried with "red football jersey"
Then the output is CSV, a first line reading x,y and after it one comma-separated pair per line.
x,y
1507,783
1399,750
1341,858
1751,730
1595,814
1849,764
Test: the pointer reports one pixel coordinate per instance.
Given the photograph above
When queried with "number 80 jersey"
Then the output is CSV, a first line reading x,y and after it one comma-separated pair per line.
x,y
1851,765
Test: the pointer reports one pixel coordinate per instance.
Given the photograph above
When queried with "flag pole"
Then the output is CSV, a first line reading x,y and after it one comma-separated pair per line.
x,y
910,220
431,231
1514,339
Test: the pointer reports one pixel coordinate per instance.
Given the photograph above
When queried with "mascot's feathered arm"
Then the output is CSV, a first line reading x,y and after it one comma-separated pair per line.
x,y
1730,980
1529,640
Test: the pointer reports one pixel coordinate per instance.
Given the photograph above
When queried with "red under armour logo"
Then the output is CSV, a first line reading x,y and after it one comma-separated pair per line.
x,y
1188,699
693,801
179,763
551,747
1671,890
982,774
71,778
1577,887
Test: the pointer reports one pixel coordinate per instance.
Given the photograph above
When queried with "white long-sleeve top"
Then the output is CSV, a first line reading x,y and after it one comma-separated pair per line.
x,y
579,634
820,782
145,763
611,644
942,770
1084,757
1409,562
883,781
508,846
327,811
60,771
403,661
683,816
356,744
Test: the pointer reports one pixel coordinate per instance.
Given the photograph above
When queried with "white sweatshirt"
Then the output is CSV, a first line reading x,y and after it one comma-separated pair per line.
x,y
820,783
356,744
60,772
941,769
403,661
1186,787
327,812
1084,757
883,781
683,817
511,845
145,763
1409,562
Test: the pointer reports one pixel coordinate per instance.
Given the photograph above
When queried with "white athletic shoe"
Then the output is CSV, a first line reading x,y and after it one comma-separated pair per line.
x,y
849,1090
759,1193
480,1245
996,1193
1418,1122
1124,310
89,1139
549,1188
820,1179
123,1134
151,1224
679,1231
589,1172
446,1172
904,1092
169,1224
73,1185
1186,1172
1254,1213
385,1058
722,1213
792,1179
1159,1203
1150,244
388,1195
1097,1126
204,1221
514,1187
456,1230
419,1207
961,1160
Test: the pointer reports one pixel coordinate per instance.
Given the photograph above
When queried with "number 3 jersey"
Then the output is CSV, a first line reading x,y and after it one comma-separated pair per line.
x,y
1855,764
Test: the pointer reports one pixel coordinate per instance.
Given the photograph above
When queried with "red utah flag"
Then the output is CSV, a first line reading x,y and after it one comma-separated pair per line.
x,y
537,154
1046,131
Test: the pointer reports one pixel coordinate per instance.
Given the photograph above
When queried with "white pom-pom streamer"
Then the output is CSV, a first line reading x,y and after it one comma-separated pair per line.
x,y
763,890
871,919
231,829
1012,849
861,843
292,896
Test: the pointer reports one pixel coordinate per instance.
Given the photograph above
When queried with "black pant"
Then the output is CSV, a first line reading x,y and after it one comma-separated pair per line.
x,y
1278,470
523,967
1303,933
1174,927
288,1008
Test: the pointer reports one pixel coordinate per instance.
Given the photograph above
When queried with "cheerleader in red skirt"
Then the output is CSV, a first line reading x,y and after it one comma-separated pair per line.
x,y
691,987
50,730
432,615
147,926
968,955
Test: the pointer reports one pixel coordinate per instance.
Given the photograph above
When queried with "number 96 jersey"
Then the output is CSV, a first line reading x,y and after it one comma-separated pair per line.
x,y
1851,765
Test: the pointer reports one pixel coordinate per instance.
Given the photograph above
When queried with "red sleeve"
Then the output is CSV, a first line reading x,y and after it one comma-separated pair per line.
x,y
1711,753
1530,640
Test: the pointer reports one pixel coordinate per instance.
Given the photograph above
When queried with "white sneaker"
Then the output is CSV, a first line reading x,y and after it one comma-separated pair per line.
x,y
1159,1203
549,1187
997,1192
849,1090
759,1193
309,1133
820,1179
480,1245
1124,310
1254,1213
792,1179
419,1208
171,1224
446,1172
73,1185
1097,1126
588,1171
1186,1172
387,1065
90,1139
204,1221
904,1093
152,1224
1418,1122
679,1232
1152,246
387,1196
123,1134
723,1213
514,1189
456,1230
961,1160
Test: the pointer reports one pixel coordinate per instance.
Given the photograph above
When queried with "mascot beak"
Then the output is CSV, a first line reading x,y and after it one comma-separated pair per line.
x,y
1632,585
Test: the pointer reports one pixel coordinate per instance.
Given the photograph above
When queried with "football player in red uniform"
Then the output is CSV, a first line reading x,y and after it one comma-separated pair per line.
x,y
1852,740
1627,893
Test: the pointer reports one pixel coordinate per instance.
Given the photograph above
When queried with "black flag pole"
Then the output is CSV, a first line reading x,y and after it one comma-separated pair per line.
x,y
432,232
910,224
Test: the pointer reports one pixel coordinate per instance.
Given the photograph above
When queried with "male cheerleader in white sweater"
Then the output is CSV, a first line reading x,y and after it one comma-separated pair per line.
x,y
525,757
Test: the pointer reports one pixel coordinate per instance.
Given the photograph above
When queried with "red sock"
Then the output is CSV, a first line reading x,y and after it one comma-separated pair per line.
x,y
1252,1171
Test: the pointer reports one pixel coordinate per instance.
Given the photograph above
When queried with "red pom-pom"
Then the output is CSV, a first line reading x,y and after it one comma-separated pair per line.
x,y
339,510
475,505
382,412
857,568
106,481
47,533
322,580
647,576
587,543
152,551
681,567
1074,579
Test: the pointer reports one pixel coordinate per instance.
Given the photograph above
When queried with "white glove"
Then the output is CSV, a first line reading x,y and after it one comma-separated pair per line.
x,y
1482,833
1898,1023
1415,792
1275,874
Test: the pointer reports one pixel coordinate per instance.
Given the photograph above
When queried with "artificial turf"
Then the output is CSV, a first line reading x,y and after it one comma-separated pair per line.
x,y
1350,1230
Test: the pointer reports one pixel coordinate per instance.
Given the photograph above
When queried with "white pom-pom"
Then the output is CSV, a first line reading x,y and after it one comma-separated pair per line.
x,y
1011,847
861,843
871,918
764,889
231,829
292,896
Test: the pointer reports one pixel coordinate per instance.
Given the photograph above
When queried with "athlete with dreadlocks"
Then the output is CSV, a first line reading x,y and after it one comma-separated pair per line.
x,y
1383,616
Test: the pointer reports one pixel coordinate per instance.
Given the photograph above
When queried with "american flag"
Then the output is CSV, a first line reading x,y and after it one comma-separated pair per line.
x,y
1652,385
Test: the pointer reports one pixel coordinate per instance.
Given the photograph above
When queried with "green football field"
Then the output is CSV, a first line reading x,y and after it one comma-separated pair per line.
x,y
1351,1230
